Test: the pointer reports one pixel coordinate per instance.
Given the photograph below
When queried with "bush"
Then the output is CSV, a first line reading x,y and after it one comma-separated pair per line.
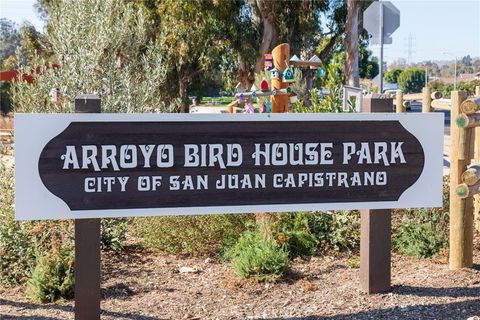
x,y
113,234
391,76
192,235
412,80
293,231
255,256
418,239
17,246
422,232
53,276
337,231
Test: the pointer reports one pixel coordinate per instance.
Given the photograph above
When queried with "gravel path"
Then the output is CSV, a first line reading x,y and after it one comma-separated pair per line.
x,y
145,286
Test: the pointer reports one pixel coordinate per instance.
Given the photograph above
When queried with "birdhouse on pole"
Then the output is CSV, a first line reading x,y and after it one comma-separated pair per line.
x,y
288,75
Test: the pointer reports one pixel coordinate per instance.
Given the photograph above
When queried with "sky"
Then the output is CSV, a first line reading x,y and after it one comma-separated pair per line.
x,y
436,27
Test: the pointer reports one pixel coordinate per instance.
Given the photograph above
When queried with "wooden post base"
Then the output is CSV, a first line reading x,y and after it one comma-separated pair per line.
x,y
375,250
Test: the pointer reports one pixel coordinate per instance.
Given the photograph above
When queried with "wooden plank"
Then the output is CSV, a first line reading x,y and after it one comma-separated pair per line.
x,y
399,102
442,104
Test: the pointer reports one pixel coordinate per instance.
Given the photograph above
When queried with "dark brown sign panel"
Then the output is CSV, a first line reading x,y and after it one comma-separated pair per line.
x,y
133,165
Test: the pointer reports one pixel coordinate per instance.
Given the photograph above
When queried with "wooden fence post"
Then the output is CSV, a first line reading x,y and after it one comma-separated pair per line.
x,y
399,107
87,244
476,215
461,210
375,228
426,100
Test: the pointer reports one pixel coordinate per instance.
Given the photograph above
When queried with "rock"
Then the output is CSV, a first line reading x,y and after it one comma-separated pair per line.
x,y
188,270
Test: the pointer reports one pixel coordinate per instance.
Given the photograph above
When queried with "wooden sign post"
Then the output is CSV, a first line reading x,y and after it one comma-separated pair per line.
x,y
375,227
87,244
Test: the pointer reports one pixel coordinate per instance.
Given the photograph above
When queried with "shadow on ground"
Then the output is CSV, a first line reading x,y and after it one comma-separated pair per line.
x,y
35,306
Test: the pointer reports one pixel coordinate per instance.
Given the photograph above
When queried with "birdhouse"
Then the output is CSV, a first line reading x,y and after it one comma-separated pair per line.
x,y
274,74
320,72
288,75
268,106
294,58
54,95
249,108
293,97
240,88
253,88
264,85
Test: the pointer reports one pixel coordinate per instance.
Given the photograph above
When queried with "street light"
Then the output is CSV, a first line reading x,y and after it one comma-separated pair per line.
x,y
455,77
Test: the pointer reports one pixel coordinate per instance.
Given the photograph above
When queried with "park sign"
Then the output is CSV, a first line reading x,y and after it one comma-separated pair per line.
x,y
118,165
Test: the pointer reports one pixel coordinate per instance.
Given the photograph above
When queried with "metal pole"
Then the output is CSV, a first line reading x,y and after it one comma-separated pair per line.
x,y
455,77
381,49
87,245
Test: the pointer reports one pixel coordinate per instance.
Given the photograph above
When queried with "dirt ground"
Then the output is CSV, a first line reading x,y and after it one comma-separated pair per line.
x,y
139,285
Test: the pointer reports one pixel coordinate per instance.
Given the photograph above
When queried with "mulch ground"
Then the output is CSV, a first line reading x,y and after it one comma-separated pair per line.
x,y
139,285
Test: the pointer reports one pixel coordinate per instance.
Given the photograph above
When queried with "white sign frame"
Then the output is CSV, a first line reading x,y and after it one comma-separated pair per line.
x,y
33,131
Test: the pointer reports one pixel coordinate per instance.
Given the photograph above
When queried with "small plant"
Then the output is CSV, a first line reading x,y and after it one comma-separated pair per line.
x,y
421,233
113,234
53,276
353,263
337,231
254,256
293,231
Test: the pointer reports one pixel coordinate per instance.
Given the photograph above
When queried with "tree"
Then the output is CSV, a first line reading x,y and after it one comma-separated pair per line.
x,y
392,75
368,65
10,38
351,44
411,80
101,47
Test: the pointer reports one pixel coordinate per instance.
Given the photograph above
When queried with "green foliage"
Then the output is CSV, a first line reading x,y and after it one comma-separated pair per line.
x,y
10,38
17,246
392,75
5,100
255,256
336,231
101,47
53,276
113,234
411,80
367,64
353,263
293,231
332,102
192,235
447,88
422,232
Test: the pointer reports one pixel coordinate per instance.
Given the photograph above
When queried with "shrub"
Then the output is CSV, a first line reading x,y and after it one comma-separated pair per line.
x,y
391,76
255,256
337,231
192,235
422,232
418,239
412,80
53,276
113,234
293,231
17,247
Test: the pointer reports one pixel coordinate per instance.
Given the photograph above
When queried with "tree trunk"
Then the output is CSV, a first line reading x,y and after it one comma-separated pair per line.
x,y
244,75
182,87
269,35
351,44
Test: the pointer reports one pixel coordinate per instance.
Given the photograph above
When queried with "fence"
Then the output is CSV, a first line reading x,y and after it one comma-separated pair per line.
x,y
464,166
